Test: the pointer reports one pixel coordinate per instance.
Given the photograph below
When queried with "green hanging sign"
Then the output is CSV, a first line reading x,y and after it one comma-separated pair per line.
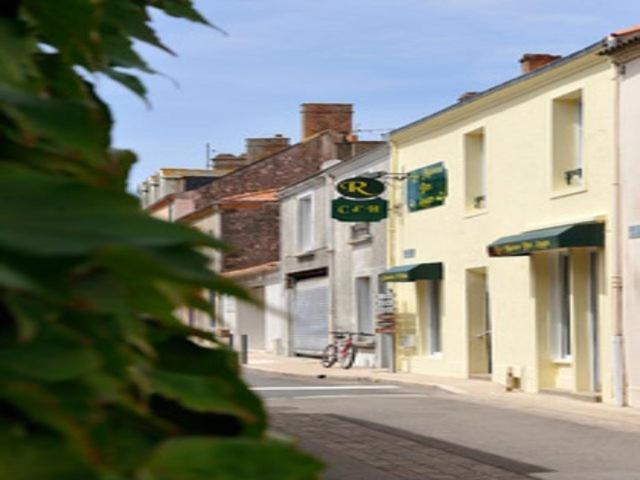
x,y
360,187
346,210
427,187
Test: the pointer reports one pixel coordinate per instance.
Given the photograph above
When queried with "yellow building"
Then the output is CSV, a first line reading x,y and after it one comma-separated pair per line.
x,y
501,238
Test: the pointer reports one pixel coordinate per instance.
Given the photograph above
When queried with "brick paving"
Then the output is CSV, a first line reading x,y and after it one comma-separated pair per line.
x,y
399,455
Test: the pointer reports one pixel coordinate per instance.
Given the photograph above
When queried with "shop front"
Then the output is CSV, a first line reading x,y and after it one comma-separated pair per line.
x,y
565,266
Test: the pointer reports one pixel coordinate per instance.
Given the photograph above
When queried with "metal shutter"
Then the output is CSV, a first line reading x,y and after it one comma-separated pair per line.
x,y
311,315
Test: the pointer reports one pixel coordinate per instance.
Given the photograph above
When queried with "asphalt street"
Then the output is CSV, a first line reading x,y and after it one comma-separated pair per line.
x,y
384,431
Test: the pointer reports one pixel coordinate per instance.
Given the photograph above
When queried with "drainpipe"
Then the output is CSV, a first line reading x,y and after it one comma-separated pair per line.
x,y
616,274
392,231
330,242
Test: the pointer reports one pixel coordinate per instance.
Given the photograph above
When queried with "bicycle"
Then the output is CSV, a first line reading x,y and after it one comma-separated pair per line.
x,y
342,349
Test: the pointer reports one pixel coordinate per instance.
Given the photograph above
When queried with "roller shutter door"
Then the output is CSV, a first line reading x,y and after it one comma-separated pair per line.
x,y
311,315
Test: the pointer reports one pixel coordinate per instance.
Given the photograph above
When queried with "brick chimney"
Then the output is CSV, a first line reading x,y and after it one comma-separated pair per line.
x,y
533,61
259,148
317,117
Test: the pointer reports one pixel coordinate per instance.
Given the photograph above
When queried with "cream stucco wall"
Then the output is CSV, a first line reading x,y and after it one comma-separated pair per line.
x,y
517,123
630,169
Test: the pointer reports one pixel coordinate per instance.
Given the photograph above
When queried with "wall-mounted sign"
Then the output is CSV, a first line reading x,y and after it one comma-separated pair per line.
x,y
427,187
360,187
347,210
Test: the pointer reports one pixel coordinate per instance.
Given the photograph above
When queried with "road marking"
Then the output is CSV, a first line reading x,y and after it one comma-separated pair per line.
x,y
371,395
328,387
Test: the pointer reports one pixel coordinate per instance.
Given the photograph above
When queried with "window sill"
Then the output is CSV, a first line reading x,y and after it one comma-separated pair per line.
x,y
475,212
307,254
359,240
563,362
435,356
565,192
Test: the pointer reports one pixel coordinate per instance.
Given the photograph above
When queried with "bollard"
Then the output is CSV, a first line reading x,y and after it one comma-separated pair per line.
x,y
244,349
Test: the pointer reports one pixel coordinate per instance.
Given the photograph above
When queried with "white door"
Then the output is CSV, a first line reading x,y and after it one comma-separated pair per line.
x,y
310,315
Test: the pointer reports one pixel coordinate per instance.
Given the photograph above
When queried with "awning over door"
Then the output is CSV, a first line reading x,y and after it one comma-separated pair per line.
x,y
590,234
411,273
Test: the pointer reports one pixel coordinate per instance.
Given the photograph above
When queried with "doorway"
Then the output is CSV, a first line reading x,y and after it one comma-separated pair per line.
x,y
479,323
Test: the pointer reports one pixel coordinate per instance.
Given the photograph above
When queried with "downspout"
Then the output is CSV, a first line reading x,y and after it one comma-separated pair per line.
x,y
392,231
330,241
616,274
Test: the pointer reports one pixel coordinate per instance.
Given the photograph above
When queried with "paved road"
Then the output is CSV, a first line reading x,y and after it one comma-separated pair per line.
x,y
378,431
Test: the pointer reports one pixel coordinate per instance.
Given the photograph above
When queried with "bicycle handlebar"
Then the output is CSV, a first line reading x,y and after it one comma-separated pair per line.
x,y
342,332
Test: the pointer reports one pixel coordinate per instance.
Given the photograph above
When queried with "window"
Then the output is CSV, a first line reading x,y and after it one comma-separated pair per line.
x,y
561,306
363,304
475,170
568,141
305,223
431,317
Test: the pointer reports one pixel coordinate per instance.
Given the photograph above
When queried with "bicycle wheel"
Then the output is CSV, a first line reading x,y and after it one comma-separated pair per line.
x,y
329,355
347,360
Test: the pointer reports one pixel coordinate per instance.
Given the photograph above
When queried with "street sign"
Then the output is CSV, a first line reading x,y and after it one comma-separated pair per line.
x,y
427,187
346,210
386,323
360,187
386,305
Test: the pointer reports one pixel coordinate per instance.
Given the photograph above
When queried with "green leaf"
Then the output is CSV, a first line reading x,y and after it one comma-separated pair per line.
x,y
237,459
56,216
39,457
131,82
76,125
181,9
133,19
16,51
54,354
74,33
202,394
119,51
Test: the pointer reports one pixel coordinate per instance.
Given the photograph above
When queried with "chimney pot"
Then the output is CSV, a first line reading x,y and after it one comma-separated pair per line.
x,y
467,96
533,61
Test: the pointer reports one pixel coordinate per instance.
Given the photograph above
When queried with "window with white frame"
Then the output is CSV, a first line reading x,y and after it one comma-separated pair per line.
x,y
475,170
430,316
568,141
560,270
305,223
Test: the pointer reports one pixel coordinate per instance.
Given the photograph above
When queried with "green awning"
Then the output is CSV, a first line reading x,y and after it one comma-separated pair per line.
x,y
590,234
411,273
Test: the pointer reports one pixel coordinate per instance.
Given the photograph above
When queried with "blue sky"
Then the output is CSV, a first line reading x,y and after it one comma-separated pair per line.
x,y
396,60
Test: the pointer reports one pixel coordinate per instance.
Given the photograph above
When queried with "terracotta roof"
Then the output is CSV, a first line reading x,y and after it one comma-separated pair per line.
x,y
270,195
164,201
250,271
626,31
196,215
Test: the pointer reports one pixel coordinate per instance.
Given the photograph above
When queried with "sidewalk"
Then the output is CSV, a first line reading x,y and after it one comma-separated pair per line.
x,y
598,414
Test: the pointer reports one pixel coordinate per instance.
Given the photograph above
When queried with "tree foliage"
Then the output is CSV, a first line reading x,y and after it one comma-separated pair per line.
x,y
98,379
